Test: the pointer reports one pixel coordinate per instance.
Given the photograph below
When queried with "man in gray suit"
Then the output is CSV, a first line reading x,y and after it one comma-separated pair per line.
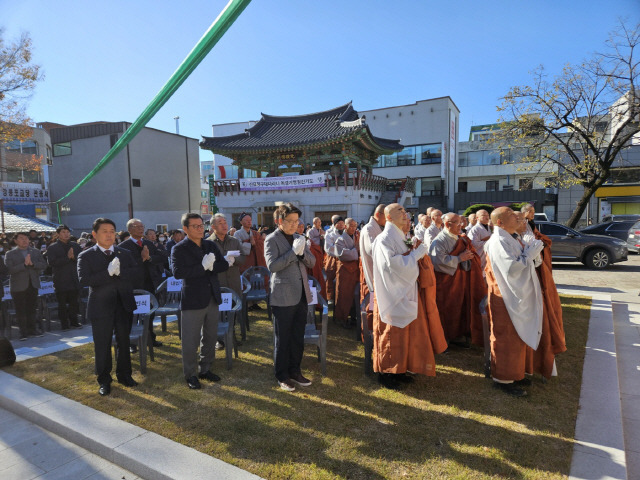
x,y
288,257
24,264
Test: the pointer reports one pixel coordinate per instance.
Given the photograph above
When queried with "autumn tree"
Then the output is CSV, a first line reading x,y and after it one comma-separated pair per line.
x,y
18,78
579,120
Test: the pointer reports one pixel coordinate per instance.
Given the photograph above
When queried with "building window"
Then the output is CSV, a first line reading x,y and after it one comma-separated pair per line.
x,y
49,160
462,187
493,185
113,138
135,182
407,157
463,159
525,184
61,149
430,186
431,153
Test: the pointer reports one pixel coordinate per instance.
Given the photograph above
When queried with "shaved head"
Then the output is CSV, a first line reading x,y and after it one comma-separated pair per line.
x,y
505,218
436,217
529,211
452,222
379,214
483,217
396,214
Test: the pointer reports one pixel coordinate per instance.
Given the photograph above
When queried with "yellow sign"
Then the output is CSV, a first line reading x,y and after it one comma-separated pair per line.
x,y
621,191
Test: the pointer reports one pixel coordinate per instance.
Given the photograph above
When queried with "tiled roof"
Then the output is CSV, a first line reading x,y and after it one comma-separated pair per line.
x,y
273,133
18,223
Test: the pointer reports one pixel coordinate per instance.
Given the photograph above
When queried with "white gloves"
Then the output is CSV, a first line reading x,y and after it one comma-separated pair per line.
x,y
114,267
230,260
208,260
298,245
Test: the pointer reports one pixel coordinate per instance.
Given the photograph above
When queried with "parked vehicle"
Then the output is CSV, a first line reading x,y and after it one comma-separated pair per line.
x,y
616,228
610,218
633,238
540,217
595,251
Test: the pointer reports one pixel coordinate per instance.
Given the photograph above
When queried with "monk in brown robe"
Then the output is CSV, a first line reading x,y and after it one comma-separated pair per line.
x,y
330,260
346,249
460,286
315,242
368,234
252,244
406,325
514,301
552,340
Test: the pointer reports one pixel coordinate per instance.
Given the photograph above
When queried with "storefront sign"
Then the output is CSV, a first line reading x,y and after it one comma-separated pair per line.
x,y
23,192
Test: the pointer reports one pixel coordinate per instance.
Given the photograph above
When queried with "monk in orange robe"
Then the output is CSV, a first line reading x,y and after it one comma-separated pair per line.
x,y
460,285
514,301
330,260
406,326
252,244
346,248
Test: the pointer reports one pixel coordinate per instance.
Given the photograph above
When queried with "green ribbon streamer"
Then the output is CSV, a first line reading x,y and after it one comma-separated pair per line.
x,y
215,32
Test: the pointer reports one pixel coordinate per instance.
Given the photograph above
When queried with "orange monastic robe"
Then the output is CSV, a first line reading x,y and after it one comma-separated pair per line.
x,y
552,340
508,351
459,296
412,348
347,277
256,255
316,271
330,266
364,291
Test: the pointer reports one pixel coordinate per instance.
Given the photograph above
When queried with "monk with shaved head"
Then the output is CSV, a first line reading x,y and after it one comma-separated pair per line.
x,y
480,233
406,329
368,234
459,284
331,261
515,302
435,228
316,244
346,249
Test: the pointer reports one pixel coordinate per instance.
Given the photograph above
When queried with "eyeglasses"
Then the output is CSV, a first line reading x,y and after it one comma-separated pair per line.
x,y
290,222
199,226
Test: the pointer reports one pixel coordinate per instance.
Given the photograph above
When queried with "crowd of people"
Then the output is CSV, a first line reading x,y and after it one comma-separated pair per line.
x,y
430,287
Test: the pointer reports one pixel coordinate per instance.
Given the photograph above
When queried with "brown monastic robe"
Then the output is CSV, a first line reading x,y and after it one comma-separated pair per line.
x,y
316,271
459,296
256,255
508,351
412,348
347,277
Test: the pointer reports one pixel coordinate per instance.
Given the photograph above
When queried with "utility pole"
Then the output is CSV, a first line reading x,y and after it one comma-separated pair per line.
x,y
177,119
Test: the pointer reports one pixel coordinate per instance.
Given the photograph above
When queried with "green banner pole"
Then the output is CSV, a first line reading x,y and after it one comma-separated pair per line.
x,y
215,32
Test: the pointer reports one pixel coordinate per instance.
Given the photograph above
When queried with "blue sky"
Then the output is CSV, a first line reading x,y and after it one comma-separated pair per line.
x,y
107,60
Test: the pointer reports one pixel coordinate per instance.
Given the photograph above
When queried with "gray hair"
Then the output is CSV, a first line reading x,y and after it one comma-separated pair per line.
x,y
132,221
447,217
526,207
349,220
214,219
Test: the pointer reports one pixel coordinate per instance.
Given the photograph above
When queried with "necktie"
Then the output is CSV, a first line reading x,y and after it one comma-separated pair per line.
x,y
108,253
139,242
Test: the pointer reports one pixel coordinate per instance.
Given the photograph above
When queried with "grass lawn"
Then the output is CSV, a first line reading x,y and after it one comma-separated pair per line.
x,y
454,425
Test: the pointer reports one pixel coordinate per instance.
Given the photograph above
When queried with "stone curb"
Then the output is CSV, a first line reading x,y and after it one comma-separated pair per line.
x,y
143,453
599,440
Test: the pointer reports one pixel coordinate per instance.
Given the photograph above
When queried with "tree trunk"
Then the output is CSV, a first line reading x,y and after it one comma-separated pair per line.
x,y
583,202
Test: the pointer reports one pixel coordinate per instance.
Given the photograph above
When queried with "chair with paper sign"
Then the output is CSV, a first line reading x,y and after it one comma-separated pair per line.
x,y
140,331
313,335
8,311
230,309
168,294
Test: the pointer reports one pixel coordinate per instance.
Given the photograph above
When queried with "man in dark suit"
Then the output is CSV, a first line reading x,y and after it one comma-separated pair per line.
x,y
25,263
198,263
107,271
148,257
63,258
288,258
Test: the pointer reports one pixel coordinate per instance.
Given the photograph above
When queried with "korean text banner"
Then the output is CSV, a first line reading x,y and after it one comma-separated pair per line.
x,y
282,183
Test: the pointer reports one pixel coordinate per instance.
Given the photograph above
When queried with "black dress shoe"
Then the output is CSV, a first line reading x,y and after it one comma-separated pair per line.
x,y
525,382
157,343
510,389
193,383
127,381
212,377
105,389
404,378
133,349
389,381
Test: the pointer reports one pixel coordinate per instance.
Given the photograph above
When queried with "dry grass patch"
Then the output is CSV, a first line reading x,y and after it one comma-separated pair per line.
x,y
452,426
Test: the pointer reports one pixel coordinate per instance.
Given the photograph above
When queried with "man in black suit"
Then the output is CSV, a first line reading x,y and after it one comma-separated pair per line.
x,y
63,258
148,257
198,263
107,271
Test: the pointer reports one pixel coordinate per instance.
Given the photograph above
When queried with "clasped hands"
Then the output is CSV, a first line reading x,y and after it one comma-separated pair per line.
x,y
466,255
298,245
208,260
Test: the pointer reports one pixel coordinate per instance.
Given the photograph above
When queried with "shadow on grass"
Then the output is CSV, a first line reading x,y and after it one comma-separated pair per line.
x,y
345,425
